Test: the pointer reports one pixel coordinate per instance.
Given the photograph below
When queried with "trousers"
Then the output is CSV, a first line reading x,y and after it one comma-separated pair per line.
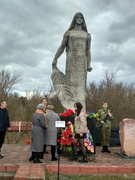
x,y
2,137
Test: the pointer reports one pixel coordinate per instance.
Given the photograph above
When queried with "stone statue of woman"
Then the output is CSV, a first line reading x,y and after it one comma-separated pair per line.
x,y
71,86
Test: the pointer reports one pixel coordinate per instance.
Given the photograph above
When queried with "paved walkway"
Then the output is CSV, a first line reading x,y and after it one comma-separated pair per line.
x,y
16,156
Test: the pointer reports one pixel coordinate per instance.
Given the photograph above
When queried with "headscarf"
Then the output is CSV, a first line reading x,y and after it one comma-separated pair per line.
x,y
72,25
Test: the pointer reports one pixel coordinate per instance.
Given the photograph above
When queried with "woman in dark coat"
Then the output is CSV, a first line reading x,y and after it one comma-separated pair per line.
x,y
39,125
51,132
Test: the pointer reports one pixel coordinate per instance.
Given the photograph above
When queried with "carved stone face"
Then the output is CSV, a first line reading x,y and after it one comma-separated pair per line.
x,y
79,19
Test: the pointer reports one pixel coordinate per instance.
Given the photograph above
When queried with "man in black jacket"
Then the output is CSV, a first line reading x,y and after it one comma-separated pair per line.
x,y
4,123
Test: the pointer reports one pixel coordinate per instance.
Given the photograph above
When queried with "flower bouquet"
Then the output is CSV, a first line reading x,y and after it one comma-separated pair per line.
x,y
67,139
92,114
67,113
88,142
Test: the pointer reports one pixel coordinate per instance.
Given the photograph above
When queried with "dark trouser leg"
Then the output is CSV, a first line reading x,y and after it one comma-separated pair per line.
x,y
45,151
74,156
75,145
84,160
53,148
41,155
2,137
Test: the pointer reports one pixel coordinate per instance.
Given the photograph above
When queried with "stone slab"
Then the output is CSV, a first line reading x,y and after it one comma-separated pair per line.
x,y
30,171
127,137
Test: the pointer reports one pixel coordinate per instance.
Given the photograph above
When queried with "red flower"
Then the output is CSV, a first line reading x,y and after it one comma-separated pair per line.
x,y
67,132
67,136
69,123
27,141
69,112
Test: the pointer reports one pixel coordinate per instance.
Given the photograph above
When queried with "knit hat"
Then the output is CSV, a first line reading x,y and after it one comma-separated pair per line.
x,y
50,107
41,106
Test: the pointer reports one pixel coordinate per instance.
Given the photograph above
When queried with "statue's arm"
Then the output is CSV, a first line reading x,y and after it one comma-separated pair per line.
x,y
60,50
88,53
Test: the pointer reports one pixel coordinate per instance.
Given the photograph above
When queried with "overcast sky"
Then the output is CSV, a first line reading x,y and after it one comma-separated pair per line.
x,y
31,32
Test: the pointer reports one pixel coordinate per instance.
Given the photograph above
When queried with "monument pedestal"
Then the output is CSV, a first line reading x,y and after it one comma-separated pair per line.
x,y
127,137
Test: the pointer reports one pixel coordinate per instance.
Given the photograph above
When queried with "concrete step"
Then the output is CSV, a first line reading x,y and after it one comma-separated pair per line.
x,y
30,171
7,175
88,169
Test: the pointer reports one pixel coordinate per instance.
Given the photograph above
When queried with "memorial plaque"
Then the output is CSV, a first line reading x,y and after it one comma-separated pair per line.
x,y
127,137
130,130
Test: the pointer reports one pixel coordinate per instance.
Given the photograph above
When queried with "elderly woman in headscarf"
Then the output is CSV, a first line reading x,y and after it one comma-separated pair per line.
x,y
39,125
77,42
51,132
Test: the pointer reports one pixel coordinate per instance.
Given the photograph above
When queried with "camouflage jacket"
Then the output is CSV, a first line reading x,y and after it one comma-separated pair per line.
x,y
102,116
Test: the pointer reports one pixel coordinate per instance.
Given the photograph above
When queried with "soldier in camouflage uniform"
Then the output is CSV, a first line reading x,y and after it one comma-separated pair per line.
x,y
105,117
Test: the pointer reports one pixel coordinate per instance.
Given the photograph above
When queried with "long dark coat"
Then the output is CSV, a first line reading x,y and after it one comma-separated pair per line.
x,y
39,126
51,132
4,120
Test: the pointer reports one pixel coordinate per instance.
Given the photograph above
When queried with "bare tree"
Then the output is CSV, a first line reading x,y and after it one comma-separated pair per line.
x,y
7,80
119,96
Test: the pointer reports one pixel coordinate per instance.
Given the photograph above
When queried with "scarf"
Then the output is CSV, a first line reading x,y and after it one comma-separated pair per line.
x,y
41,112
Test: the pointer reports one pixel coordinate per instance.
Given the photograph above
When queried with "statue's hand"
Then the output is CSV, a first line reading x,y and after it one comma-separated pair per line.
x,y
89,69
54,63
54,67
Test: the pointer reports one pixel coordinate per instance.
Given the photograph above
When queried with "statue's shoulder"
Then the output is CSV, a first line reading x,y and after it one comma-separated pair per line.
x,y
67,33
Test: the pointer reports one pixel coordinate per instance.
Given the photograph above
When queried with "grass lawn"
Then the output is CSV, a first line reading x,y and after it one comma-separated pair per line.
x,y
90,177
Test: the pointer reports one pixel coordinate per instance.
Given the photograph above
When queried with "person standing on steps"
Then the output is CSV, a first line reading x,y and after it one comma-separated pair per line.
x,y
104,118
80,123
4,123
39,125
51,132
44,101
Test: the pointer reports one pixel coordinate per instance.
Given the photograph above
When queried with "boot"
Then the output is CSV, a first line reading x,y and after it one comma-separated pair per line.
x,y
36,158
107,150
53,153
83,160
41,155
103,149
73,157
54,159
32,157
1,156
